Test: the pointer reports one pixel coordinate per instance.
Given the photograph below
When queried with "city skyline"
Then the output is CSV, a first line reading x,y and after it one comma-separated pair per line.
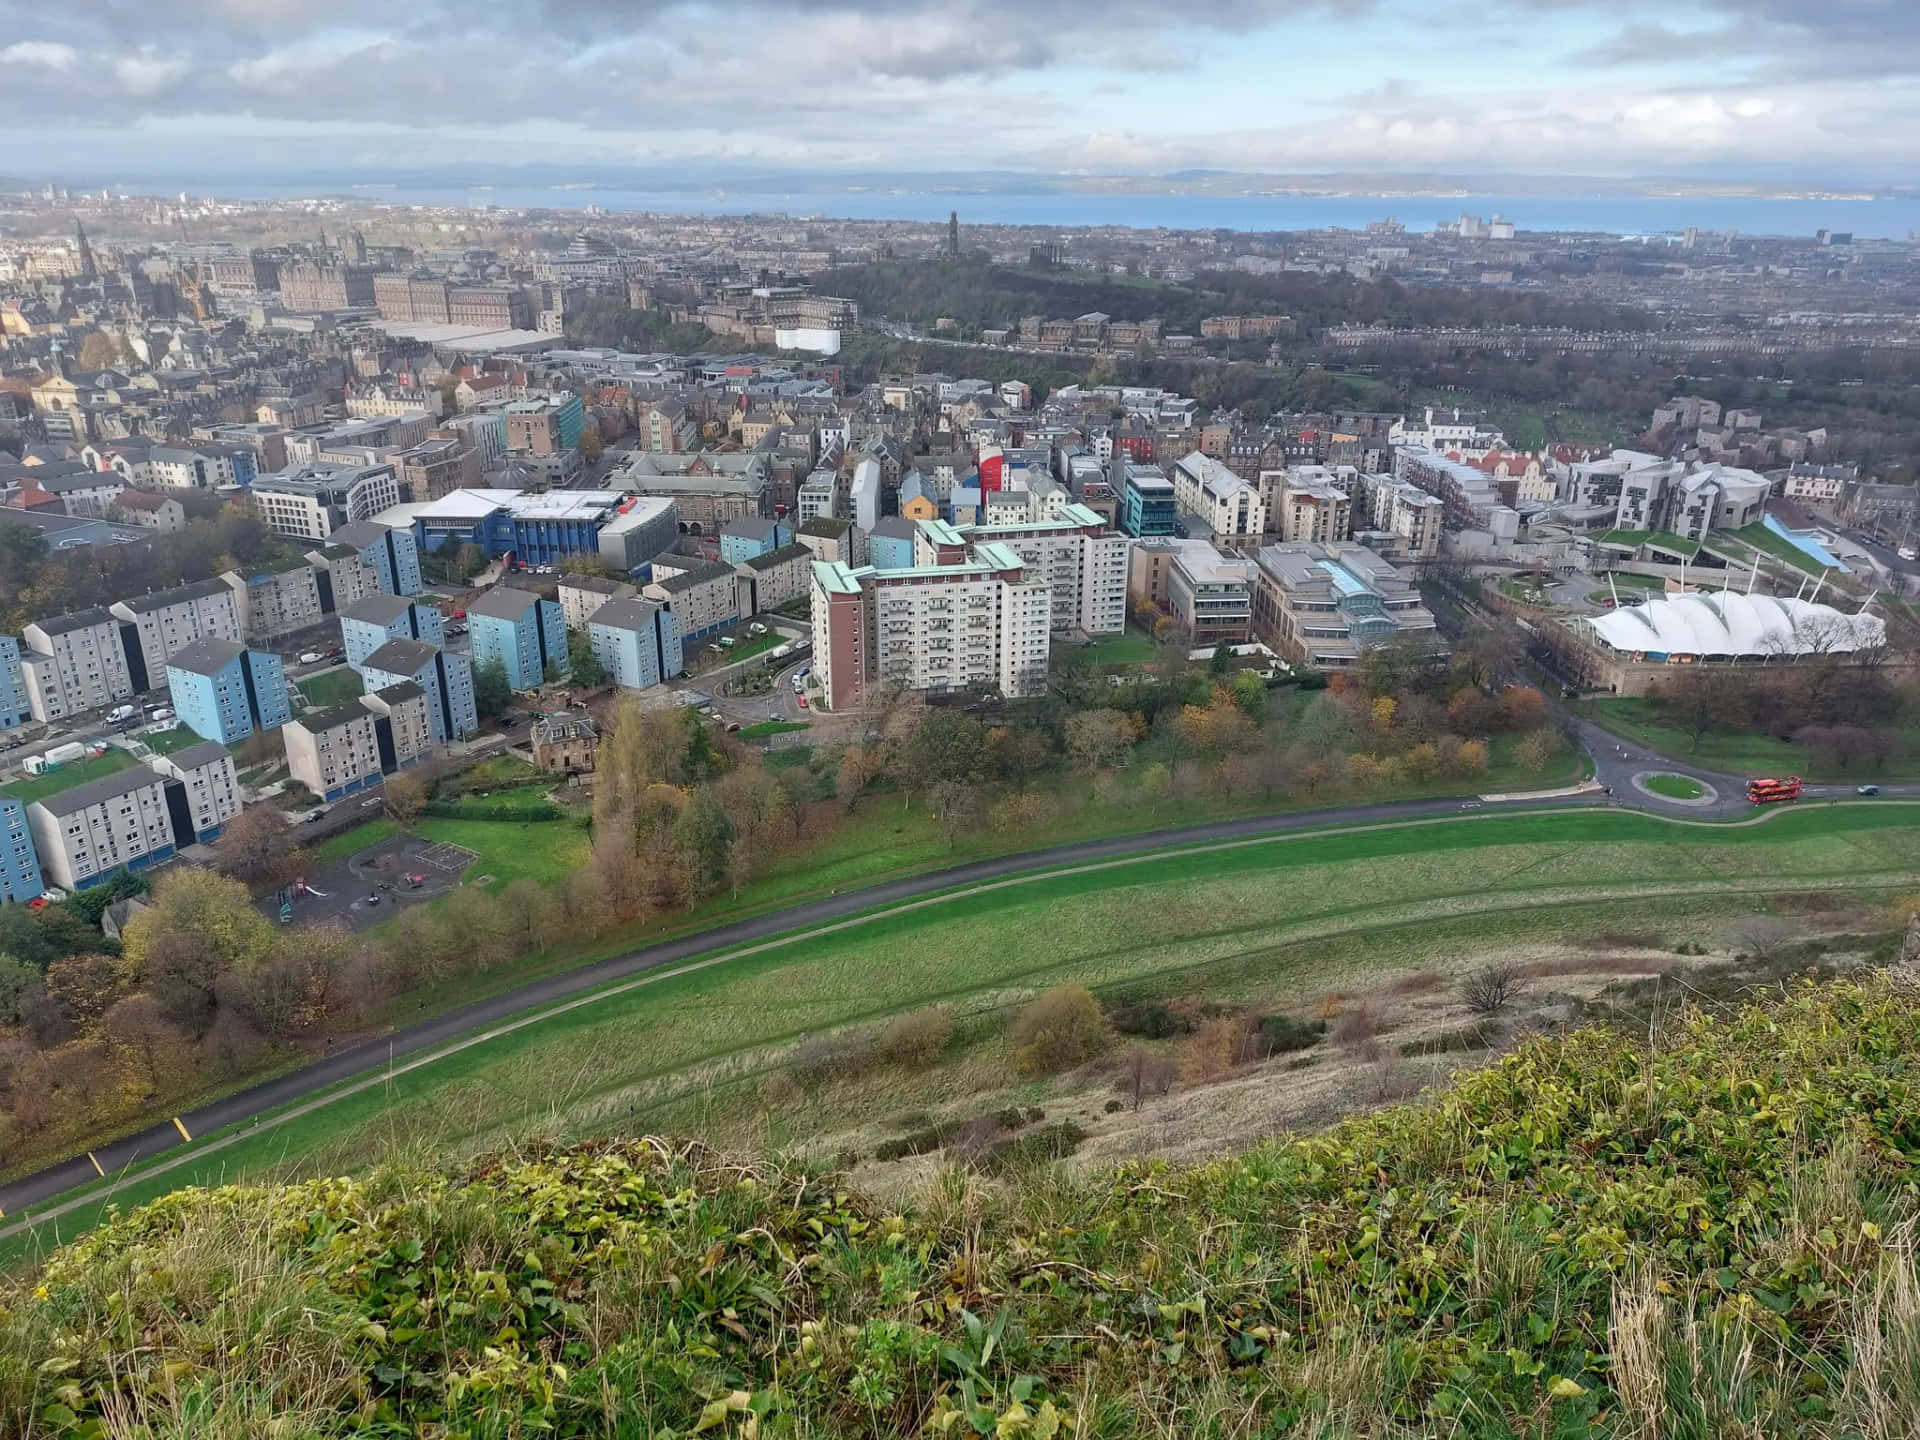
x,y
1735,89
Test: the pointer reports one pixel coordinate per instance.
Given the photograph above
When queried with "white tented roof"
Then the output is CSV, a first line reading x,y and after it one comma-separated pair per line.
x,y
1726,623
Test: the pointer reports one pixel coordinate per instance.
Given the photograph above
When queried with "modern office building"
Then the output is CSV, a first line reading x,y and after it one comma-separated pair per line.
x,y
19,862
521,632
637,641
13,685
74,663
369,623
1147,503
1326,605
311,501
445,679
223,691
155,627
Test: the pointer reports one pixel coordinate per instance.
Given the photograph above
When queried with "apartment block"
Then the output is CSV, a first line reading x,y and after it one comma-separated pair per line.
x,y
154,627
1402,515
519,631
751,535
581,597
223,691
973,619
371,622
19,862
702,593
638,641
768,581
13,685
276,602
336,752
402,724
1209,596
94,830
445,679
1230,506
74,663
437,466
1147,502
368,558
202,791
1083,562
1314,512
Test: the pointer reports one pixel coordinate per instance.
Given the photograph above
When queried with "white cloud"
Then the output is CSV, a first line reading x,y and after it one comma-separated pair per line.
x,y
147,74
45,53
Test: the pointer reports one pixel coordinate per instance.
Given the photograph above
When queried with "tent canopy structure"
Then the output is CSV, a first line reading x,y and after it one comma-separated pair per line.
x,y
1727,623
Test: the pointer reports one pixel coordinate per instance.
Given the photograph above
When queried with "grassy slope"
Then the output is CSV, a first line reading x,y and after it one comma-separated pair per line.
x,y
1708,1239
1749,754
1297,911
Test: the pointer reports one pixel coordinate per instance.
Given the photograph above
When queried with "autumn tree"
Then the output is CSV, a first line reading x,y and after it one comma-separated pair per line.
x,y
258,848
99,351
702,842
945,746
405,798
199,929
1099,739
1058,1030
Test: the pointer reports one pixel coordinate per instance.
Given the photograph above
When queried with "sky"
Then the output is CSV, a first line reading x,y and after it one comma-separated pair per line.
x,y
1802,91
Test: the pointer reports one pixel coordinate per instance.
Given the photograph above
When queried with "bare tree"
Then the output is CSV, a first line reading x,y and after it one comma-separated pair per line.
x,y
1763,936
1491,989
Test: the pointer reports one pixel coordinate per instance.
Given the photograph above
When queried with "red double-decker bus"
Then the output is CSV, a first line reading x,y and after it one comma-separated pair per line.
x,y
1765,792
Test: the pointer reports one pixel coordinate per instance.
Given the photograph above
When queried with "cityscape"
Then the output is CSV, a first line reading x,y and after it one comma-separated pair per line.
x,y
1169,788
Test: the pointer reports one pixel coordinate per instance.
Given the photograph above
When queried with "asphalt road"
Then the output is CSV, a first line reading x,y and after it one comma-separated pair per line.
x,y
428,1034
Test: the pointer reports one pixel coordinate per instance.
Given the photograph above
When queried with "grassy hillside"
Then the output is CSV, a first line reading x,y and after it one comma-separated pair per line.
x,y
1714,1238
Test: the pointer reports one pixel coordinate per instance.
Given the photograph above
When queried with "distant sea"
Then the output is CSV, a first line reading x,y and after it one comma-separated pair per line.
x,y
1887,217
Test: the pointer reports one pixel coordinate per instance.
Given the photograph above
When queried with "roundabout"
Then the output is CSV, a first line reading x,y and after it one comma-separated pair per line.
x,y
1671,788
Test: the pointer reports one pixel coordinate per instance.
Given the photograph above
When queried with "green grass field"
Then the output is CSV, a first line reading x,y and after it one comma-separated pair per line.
x,y
29,788
774,727
331,688
546,852
1676,787
165,742
1759,537
1288,917
1648,723
1131,647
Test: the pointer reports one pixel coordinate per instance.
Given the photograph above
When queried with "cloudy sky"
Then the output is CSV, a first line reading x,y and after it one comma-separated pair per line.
x,y
1773,89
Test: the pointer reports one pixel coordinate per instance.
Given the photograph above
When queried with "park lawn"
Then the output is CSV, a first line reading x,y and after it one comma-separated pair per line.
x,y
1749,753
774,727
331,688
29,788
548,851
504,766
1285,917
1133,646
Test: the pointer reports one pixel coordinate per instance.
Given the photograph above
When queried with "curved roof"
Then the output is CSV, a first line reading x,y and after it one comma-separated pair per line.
x,y
1726,623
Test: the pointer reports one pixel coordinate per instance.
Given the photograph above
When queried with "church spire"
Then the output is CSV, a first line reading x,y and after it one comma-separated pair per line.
x,y
88,269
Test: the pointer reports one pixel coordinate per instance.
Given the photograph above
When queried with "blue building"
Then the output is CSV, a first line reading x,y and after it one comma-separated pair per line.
x,y
890,546
537,528
1146,503
19,864
223,691
391,555
638,642
445,679
373,620
521,631
741,540
13,685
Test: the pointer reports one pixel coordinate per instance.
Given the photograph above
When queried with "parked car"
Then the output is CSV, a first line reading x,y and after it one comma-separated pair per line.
x,y
311,657
373,899
803,702
160,715
314,816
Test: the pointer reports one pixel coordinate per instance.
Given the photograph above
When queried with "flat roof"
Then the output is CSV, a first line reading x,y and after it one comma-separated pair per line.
x,y
836,577
627,614
502,602
207,752
400,657
95,792
379,608
336,718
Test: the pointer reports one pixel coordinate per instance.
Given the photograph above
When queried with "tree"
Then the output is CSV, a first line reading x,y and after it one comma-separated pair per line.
x,y
959,807
1538,748
405,798
258,848
1763,936
1492,988
1059,1030
200,928
19,984
469,561
702,842
944,746
591,445
1250,696
1099,739
1522,708
99,351
1143,1072
492,691
588,672
1221,661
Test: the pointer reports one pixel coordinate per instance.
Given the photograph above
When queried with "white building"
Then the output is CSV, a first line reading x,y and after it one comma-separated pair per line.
x,y
74,663
119,822
975,618
1231,506
167,621
866,494
1084,563
311,501
206,781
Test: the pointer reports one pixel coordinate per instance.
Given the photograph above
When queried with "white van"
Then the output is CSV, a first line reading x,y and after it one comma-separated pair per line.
x,y
120,713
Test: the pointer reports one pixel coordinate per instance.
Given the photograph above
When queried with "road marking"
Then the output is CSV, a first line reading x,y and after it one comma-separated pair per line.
x,y
181,1127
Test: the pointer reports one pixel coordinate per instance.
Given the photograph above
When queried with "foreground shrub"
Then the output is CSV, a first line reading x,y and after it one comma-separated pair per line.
x,y
1061,1029
1711,1239
918,1039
